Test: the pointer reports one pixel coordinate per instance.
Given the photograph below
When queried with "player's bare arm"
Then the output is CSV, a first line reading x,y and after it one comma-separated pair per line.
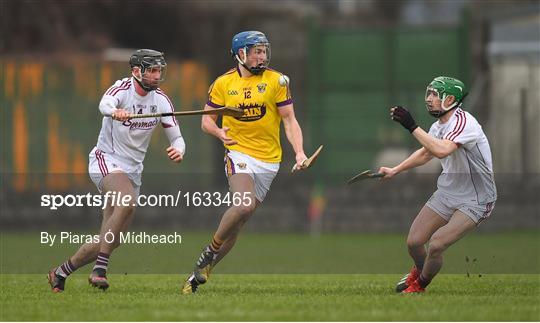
x,y
439,148
449,214
208,125
418,158
250,165
293,133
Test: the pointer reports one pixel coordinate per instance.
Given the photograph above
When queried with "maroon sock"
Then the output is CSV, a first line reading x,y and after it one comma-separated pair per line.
x,y
102,262
65,269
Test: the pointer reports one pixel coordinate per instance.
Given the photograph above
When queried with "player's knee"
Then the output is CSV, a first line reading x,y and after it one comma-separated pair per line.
x,y
246,210
414,242
247,207
436,247
125,212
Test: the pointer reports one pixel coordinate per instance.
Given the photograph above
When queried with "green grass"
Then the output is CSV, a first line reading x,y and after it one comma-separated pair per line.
x,y
265,253
285,277
273,297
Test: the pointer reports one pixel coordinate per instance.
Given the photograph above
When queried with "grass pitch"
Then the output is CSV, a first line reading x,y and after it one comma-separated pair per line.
x,y
279,277
293,297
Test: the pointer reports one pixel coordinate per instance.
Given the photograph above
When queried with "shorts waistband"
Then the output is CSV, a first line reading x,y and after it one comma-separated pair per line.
x,y
120,158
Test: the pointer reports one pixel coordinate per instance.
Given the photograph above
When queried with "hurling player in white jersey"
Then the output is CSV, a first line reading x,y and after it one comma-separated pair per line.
x,y
115,164
466,191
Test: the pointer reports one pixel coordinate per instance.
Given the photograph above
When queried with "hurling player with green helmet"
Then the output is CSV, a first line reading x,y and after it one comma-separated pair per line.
x,y
466,191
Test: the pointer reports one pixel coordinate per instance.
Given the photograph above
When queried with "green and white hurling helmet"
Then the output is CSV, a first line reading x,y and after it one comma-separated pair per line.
x,y
444,86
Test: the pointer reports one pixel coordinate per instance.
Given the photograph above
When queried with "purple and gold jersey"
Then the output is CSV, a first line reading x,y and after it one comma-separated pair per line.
x,y
260,96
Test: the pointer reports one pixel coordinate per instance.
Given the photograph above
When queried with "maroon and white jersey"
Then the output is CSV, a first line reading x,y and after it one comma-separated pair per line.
x,y
129,139
468,172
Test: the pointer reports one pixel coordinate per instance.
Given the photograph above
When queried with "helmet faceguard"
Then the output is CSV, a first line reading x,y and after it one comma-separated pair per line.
x,y
443,87
148,68
250,43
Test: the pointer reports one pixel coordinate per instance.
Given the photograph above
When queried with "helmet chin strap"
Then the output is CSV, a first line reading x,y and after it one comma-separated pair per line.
x,y
450,107
145,87
445,110
253,70
437,114
241,62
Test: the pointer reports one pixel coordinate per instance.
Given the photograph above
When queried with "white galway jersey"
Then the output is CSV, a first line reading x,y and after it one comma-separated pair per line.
x,y
129,139
468,172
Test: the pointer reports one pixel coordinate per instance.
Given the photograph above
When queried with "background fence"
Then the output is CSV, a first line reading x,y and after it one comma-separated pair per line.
x,y
347,67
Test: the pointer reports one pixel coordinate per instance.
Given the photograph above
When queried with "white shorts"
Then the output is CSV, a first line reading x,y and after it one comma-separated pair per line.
x,y
263,173
445,206
100,164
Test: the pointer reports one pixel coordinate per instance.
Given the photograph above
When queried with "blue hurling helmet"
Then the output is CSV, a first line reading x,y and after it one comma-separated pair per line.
x,y
245,40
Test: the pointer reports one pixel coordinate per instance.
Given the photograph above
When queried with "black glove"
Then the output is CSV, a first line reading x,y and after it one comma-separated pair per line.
x,y
403,116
